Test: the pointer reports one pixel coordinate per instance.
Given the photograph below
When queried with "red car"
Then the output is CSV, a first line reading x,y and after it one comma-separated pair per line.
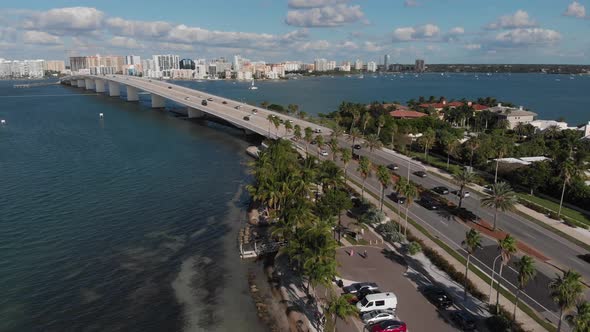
x,y
389,325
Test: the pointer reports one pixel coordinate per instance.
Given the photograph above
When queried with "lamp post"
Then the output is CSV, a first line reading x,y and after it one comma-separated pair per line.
x,y
493,272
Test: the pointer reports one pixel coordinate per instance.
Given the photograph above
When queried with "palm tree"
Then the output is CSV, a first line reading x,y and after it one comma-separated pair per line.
x,y
355,116
320,142
473,144
308,137
270,119
570,168
373,142
451,145
380,124
409,190
428,138
393,131
365,121
526,272
288,127
365,169
297,132
264,104
292,108
507,247
463,178
384,178
581,320
277,123
565,291
345,157
340,307
334,147
502,198
354,134
501,150
471,243
337,132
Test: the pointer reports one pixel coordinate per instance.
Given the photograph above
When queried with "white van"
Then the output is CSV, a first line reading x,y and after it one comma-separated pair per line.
x,y
379,301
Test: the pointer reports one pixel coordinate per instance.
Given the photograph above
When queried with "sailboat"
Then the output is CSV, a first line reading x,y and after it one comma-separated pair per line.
x,y
253,87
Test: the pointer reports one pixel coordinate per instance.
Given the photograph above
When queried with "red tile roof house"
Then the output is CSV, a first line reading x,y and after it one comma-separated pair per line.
x,y
405,114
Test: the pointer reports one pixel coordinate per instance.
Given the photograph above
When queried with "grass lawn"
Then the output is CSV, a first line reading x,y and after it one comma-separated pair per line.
x,y
569,213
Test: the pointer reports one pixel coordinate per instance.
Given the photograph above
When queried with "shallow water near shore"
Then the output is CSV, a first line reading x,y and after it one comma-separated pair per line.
x,y
122,224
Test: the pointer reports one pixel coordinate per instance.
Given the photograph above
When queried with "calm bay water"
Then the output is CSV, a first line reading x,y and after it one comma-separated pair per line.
x,y
550,96
129,223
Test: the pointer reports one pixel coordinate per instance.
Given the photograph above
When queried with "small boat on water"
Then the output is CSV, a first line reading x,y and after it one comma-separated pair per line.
x,y
253,87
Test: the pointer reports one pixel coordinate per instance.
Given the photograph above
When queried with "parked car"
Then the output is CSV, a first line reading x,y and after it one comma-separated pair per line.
x,y
355,298
254,111
429,203
390,325
169,87
373,317
379,301
186,98
420,174
224,102
357,146
438,296
324,153
247,118
393,167
317,130
441,190
238,107
397,198
463,320
458,193
204,102
358,286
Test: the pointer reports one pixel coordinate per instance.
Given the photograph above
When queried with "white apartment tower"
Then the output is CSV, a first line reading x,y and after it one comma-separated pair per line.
x,y
165,63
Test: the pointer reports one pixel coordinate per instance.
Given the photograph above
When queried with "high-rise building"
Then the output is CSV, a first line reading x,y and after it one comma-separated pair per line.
x,y
358,64
165,63
187,64
386,62
420,67
55,66
372,66
97,64
237,63
132,60
320,64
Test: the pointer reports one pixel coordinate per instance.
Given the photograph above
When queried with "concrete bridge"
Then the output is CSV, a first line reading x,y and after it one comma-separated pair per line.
x,y
198,103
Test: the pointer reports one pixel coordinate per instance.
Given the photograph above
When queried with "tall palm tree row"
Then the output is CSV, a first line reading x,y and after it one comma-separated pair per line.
x,y
408,190
384,178
471,243
580,321
365,169
507,247
463,178
566,290
526,272
572,166
502,198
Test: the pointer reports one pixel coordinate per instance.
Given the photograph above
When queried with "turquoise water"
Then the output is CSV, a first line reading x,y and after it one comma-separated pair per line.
x,y
129,223
551,96
121,224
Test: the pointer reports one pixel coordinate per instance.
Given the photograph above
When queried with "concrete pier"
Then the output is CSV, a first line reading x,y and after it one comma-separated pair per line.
x,y
132,94
158,101
89,83
114,90
99,84
81,84
194,113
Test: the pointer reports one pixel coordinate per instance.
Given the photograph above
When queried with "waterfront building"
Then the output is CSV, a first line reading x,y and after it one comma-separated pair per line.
x,y
544,124
420,66
331,65
513,115
22,68
132,70
358,64
237,63
132,60
320,64
165,63
187,64
97,64
345,66
386,62
55,65
371,66
292,65
200,71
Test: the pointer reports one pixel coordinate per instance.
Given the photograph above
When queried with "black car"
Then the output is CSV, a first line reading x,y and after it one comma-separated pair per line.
x,y
463,320
393,167
429,203
357,146
441,190
420,174
357,287
204,102
397,198
169,87
224,102
438,296
247,118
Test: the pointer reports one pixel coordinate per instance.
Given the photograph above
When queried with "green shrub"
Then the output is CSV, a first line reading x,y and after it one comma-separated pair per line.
x,y
502,321
390,232
414,248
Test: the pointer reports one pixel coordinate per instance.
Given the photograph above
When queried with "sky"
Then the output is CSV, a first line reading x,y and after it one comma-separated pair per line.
x,y
438,31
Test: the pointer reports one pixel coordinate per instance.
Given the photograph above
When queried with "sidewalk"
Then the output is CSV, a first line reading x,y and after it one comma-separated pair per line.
x,y
527,322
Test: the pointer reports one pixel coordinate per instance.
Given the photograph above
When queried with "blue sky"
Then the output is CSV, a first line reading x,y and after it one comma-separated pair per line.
x,y
440,31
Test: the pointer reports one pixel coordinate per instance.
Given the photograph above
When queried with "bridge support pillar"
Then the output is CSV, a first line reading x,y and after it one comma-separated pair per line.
x,y
74,83
81,84
114,90
195,113
132,94
158,101
89,83
99,84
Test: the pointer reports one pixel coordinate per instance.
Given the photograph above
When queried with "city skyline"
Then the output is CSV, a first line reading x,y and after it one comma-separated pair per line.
x,y
460,31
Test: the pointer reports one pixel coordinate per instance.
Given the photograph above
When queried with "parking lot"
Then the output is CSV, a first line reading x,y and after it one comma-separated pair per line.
x,y
387,270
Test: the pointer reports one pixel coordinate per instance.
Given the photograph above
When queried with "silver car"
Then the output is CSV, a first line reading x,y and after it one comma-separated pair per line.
x,y
376,316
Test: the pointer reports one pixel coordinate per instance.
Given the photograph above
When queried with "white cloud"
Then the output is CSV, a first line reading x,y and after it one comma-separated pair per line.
x,y
518,20
329,16
575,9
372,47
410,3
175,47
457,31
528,36
316,45
124,27
125,42
472,47
421,32
65,19
40,37
299,4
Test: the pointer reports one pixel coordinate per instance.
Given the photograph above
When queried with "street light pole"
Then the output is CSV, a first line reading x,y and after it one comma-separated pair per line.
x,y
493,272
